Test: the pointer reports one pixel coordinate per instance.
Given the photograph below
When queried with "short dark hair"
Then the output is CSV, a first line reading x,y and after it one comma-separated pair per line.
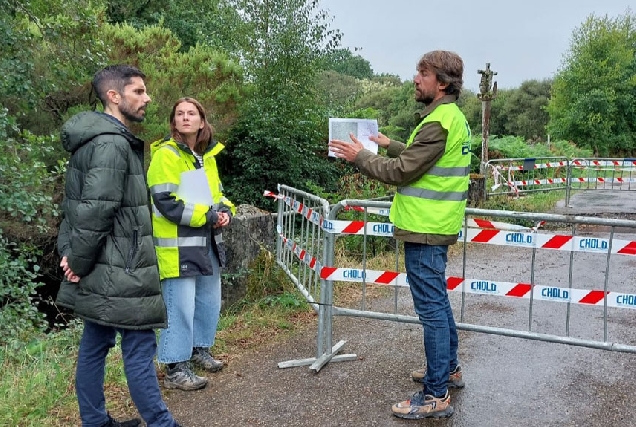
x,y
114,77
448,68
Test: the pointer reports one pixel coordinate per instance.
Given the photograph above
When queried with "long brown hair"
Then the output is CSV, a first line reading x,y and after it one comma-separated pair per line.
x,y
205,134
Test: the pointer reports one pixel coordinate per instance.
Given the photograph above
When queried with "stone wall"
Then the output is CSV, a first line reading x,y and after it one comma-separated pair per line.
x,y
250,231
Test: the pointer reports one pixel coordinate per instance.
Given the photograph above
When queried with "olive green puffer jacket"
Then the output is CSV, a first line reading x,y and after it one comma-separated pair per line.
x,y
106,232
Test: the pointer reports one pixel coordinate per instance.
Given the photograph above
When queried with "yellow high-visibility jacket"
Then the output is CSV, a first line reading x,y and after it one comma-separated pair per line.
x,y
183,231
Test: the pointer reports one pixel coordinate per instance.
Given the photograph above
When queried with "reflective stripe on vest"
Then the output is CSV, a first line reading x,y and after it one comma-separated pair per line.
x,y
188,212
433,195
173,149
453,171
164,188
181,242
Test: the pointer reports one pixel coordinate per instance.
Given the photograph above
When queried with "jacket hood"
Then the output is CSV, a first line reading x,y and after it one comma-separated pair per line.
x,y
83,127
214,146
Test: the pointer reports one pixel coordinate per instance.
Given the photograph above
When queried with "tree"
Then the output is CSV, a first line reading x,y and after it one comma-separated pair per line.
x,y
343,61
499,115
526,109
338,91
281,134
47,49
215,23
201,72
471,107
594,94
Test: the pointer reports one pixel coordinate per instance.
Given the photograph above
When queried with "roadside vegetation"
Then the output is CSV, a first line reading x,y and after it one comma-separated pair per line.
x,y
270,89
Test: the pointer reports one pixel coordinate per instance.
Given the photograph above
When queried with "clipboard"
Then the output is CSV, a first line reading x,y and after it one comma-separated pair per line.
x,y
194,188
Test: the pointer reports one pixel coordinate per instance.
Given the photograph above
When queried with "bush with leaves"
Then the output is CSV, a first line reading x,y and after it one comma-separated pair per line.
x,y
27,217
275,143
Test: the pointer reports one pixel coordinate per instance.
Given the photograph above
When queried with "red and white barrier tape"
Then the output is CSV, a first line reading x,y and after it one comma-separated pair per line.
x,y
613,164
377,228
536,166
472,286
549,241
564,180
475,223
487,287
302,254
523,239
604,163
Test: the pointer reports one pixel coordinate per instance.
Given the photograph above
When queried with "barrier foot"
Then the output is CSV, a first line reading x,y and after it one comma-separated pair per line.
x,y
318,363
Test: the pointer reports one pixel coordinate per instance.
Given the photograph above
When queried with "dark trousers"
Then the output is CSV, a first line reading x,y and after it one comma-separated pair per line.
x,y
426,272
138,350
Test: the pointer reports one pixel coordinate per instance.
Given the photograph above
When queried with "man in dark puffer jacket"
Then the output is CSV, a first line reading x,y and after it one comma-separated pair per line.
x,y
108,257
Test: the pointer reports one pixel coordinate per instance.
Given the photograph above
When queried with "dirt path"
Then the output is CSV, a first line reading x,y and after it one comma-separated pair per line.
x,y
510,381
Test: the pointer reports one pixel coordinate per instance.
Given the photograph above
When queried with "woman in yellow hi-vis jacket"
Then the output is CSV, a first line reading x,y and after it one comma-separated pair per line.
x,y
188,241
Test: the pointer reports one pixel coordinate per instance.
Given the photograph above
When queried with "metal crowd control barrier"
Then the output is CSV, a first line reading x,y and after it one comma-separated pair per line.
x,y
525,175
301,251
306,220
603,174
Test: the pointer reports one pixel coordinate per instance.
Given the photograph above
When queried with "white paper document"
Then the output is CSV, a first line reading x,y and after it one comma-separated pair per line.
x,y
194,188
360,128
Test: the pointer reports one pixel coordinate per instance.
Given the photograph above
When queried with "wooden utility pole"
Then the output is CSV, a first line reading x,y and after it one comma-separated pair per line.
x,y
487,92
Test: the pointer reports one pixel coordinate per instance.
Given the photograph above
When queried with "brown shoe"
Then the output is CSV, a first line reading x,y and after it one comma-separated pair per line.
x,y
455,379
422,405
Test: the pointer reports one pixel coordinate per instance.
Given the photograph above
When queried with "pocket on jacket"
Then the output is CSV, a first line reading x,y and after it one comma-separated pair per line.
x,y
131,261
221,254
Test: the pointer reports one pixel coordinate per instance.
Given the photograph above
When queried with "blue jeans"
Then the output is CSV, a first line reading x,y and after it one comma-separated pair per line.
x,y
194,305
138,349
426,272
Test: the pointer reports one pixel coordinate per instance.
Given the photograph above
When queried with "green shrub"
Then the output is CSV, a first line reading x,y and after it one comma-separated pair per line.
x,y
27,216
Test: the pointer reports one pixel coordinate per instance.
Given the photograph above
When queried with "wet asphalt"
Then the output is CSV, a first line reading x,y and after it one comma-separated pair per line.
x,y
509,381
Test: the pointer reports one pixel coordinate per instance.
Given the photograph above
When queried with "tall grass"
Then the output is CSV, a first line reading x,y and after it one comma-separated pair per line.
x,y
37,382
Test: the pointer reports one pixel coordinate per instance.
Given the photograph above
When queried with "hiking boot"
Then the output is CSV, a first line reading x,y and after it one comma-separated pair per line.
x,y
182,377
203,358
422,405
455,379
135,422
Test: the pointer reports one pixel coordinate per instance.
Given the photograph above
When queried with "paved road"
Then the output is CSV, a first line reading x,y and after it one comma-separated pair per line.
x,y
593,202
510,381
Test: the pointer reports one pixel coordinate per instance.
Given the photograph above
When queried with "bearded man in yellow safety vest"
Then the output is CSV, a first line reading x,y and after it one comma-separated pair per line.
x,y
431,172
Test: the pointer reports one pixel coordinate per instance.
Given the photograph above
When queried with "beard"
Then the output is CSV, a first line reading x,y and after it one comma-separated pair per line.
x,y
425,98
131,115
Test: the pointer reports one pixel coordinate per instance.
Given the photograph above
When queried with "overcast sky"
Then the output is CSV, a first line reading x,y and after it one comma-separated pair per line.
x,y
521,39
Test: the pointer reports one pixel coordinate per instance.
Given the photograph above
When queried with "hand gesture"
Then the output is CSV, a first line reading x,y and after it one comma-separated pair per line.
x,y
382,140
346,150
